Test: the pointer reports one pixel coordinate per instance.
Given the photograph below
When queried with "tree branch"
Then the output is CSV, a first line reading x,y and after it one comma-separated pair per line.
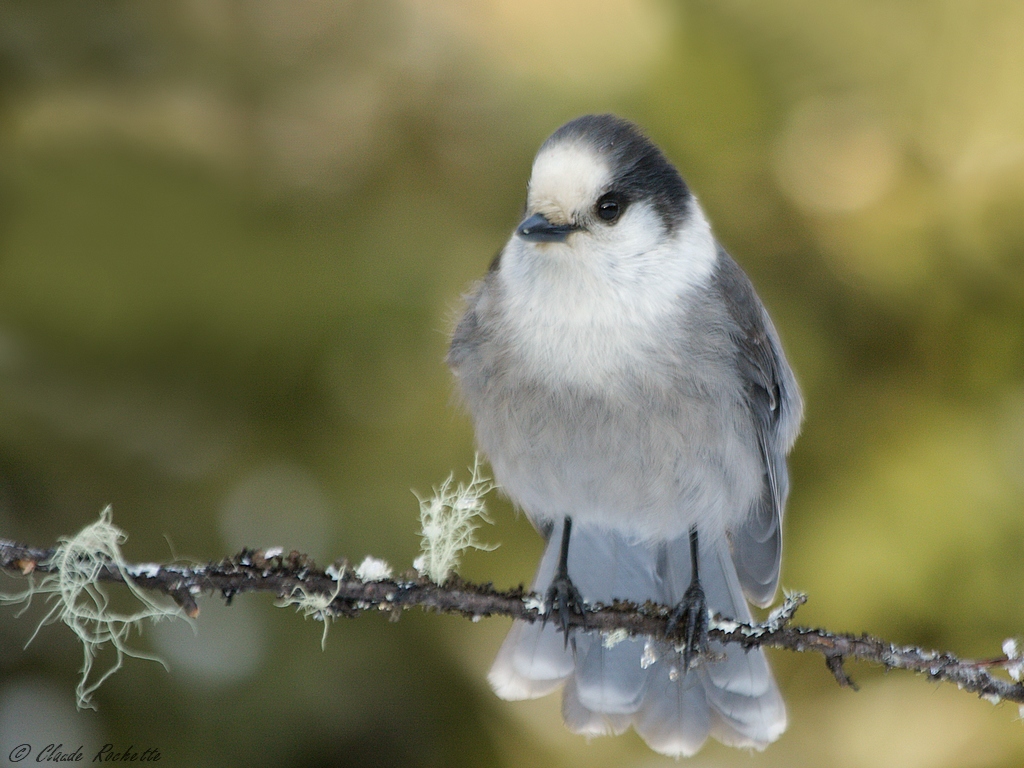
x,y
289,575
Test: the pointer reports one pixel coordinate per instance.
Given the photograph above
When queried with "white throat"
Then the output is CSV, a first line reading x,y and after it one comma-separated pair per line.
x,y
582,311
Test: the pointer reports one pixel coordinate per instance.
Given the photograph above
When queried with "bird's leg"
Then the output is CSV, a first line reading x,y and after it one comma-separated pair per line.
x,y
690,616
563,599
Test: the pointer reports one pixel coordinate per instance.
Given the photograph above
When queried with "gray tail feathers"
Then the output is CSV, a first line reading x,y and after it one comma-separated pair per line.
x,y
635,682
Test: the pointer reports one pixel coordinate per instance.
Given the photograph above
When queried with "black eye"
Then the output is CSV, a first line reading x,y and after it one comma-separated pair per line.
x,y
610,207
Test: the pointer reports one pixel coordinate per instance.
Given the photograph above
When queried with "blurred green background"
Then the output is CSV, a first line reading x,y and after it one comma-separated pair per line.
x,y
233,238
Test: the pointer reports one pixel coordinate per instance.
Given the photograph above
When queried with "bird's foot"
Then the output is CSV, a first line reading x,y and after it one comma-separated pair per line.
x,y
561,602
689,623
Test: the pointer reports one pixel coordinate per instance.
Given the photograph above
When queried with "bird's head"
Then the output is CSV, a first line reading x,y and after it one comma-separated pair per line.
x,y
599,184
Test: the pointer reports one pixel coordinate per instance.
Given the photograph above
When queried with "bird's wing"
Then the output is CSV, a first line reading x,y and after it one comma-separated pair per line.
x,y
776,411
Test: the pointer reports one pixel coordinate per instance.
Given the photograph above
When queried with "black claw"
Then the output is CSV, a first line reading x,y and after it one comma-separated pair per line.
x,y
689,621
691,613
561,602
562,596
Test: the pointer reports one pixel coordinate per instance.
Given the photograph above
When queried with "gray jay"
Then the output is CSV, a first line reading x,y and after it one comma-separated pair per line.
x,y
632,396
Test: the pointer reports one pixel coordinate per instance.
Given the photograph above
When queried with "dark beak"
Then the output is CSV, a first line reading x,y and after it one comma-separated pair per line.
x,y
538,229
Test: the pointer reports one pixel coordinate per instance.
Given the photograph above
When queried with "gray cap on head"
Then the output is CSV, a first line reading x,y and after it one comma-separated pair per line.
x,y
640,171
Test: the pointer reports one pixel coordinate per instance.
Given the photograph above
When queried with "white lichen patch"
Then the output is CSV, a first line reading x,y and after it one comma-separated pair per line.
x,y
448,523
373,569
613,638
780,616
533,603
726,625
1012,651
144,569
313,605
335,571
81,602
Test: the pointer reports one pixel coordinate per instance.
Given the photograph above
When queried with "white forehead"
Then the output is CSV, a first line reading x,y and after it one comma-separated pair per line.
x,y
566,177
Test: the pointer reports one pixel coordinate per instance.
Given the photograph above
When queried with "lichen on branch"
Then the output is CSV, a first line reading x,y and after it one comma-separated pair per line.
x,y
73,572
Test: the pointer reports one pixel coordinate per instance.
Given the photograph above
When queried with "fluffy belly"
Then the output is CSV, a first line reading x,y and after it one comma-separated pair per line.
x,y
649,470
